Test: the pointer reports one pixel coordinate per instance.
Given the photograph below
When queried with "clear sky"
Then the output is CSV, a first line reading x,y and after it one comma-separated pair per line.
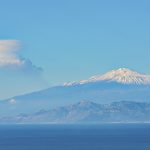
x,y
48,42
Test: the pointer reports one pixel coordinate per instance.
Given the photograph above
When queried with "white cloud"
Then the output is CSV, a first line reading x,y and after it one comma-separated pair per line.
x,y
12,101
10,59
8,53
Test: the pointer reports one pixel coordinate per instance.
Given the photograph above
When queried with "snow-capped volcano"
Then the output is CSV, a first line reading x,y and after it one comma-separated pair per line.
x,y
117,85
122,75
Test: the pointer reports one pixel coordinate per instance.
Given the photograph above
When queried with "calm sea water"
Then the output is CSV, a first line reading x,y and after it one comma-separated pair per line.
x,y
75,137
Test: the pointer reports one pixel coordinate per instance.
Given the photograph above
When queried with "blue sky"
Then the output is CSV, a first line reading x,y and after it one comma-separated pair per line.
x,y
51,42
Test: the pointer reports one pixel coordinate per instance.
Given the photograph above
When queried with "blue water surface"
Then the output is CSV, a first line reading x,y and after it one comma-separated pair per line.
x,y
75,137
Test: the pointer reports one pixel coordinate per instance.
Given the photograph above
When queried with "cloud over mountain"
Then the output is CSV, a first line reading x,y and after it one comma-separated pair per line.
x,y
17,73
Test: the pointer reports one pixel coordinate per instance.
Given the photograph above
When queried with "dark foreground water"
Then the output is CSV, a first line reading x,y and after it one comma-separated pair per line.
x,y
75,137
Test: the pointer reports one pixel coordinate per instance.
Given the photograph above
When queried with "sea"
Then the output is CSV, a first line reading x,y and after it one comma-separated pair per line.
x,y
75,137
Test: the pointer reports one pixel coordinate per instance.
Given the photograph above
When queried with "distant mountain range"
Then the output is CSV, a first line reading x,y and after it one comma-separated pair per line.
x,y
115,86
88,112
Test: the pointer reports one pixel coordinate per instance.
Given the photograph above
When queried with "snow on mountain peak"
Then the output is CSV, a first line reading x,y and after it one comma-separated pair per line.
x,y
121,75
